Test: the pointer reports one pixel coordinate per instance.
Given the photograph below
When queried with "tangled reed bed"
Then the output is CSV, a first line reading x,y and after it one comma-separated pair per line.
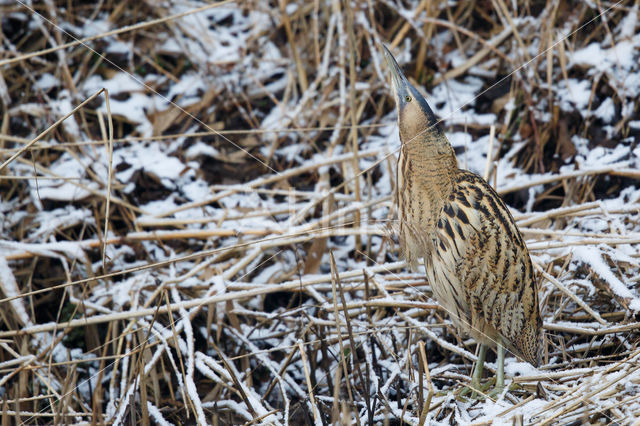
x,y
215,243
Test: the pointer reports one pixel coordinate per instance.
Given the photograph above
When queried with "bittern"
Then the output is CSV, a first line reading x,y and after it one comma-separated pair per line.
x,y
476,261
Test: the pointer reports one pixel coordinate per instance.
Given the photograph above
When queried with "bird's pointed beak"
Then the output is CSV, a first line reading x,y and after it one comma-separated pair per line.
x,y
401,85
405,92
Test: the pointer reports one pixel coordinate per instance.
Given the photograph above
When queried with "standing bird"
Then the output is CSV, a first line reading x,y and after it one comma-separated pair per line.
x,y
476,260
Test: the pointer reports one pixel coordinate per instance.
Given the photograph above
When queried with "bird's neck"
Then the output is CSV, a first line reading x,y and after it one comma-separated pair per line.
x,y
426,175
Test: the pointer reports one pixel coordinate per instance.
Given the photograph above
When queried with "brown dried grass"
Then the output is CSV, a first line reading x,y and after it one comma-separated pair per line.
x,y
338,346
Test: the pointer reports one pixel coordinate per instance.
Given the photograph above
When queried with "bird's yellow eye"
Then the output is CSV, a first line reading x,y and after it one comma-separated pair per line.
x,y
407,98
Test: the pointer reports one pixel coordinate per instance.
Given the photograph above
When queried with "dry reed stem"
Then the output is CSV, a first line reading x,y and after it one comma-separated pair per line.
x,y
613,170
109,145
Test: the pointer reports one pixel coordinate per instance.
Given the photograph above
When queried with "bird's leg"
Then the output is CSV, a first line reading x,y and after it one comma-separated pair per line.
x,y
474,387
477,372
499,387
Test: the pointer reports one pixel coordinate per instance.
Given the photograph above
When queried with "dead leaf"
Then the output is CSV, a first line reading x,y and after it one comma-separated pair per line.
x,y
314,255
564,146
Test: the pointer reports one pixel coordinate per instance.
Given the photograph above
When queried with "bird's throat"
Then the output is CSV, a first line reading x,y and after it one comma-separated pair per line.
x,y
429,165
425,180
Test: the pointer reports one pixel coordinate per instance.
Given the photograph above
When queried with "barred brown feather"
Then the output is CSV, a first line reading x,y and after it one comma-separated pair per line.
x,y
475,258
479,256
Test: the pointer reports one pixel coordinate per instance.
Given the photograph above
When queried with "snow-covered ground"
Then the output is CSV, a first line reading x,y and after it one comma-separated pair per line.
x,y
235,175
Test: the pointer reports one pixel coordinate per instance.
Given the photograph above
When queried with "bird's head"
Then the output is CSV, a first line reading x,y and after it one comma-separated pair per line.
x,y
415,117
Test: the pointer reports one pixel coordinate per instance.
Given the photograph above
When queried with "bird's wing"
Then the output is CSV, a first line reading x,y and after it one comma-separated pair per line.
x,y
477,236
